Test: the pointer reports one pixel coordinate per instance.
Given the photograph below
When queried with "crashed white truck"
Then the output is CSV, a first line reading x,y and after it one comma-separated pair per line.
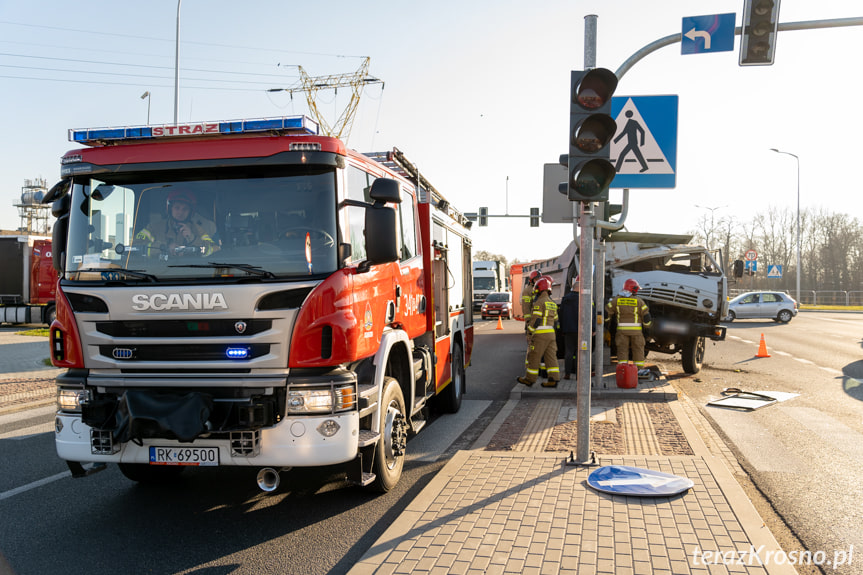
x,y
683,284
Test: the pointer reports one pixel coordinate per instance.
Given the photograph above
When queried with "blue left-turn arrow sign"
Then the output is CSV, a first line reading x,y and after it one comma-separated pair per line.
x,y
701,34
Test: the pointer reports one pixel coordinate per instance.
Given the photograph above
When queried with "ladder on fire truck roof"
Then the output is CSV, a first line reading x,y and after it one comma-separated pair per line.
x,y
397,162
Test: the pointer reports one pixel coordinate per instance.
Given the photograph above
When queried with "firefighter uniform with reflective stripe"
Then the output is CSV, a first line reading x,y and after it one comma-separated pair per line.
x,y
526,307
543,345
632,315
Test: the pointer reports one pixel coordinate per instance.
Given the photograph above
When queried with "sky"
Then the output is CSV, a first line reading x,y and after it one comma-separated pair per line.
x,y
475,93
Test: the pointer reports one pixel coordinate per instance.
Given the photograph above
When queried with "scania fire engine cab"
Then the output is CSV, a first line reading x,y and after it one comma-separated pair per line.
x,y
306,309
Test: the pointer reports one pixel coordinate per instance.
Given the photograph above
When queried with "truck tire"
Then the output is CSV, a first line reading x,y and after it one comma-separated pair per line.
x,y
450,400
153,474
50,315
693,354
390,452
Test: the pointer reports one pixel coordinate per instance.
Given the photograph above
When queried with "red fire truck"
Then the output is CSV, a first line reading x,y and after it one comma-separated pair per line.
x,y
28,284
309,309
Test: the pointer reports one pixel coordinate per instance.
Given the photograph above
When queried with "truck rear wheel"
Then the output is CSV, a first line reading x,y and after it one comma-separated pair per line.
x,y
693,354
390,452
452,393
143,473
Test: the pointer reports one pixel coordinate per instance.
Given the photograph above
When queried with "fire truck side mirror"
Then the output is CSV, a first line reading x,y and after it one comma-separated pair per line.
x,y
57,191
61,206
60,210
380,234
58,242
385,190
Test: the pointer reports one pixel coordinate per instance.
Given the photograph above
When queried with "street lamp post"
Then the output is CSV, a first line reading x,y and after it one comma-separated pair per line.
x,y
712,229
798,215
177,67
147,96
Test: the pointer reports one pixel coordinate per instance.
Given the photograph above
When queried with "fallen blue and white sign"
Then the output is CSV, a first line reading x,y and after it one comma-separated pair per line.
x,y
625,480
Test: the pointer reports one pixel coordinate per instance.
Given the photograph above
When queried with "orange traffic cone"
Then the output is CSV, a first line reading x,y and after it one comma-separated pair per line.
x,y
762,348
499,325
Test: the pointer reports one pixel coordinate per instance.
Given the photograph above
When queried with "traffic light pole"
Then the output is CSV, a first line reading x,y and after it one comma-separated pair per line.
x,y
738,31
589,175
586,221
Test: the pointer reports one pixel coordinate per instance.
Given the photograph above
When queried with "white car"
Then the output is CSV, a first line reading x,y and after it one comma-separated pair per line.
x,y
773,305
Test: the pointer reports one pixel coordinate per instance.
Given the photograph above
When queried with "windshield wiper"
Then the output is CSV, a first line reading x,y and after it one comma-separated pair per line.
x,y
113,274
254,270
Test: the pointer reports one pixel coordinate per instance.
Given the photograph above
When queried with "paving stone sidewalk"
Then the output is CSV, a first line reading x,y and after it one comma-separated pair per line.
x,y
512,504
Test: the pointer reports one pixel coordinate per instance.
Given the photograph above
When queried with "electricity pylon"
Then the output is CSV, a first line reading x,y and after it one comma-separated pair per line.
x,y
311,85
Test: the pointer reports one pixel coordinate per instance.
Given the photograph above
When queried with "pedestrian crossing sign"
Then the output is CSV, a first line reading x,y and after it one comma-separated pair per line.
x,y
644,147
774,271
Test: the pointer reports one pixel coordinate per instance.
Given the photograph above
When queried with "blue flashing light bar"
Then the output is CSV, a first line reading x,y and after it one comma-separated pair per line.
x,y
289,124
238,352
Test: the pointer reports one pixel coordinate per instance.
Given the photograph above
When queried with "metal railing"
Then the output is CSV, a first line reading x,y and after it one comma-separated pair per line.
x,y
817,297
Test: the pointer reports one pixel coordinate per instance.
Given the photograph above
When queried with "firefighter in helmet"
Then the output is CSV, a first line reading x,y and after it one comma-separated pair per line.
x,y
181,230
527,295
543,344
633,317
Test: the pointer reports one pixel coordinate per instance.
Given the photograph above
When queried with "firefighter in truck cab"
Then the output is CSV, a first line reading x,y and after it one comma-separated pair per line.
x,y
181,231
633,317
542,344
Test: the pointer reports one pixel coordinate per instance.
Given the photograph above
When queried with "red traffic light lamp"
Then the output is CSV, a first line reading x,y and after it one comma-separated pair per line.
x,y
591,129
760,24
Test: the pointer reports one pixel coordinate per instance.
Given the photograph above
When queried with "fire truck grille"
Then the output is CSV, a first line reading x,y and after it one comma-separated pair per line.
x,y
669,295
184,352
185,328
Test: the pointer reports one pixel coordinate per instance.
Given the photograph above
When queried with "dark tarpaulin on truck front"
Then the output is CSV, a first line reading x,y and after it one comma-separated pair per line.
x,y
148,414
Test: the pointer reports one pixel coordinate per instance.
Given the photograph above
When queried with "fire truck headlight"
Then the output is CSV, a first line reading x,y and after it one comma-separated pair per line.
x,y
321,399
70,400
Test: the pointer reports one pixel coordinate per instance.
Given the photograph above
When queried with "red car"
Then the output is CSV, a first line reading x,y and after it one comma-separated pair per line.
x,y
497,304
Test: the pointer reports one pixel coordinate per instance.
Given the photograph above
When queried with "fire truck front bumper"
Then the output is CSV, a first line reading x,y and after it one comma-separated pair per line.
x,y
307,441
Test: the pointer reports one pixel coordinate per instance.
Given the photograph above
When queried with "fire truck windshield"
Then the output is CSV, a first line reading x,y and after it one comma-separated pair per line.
x,y
241,225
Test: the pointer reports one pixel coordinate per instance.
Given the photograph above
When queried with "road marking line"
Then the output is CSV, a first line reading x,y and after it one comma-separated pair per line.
x,y
801,360
34,485
27,432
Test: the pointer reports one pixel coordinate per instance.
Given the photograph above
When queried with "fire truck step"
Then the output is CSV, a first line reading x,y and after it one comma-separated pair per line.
x,y
367,479
417,424
367,437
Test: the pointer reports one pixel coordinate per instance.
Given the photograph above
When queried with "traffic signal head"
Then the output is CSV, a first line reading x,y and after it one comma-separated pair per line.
x,y
760,23
534,217
591,129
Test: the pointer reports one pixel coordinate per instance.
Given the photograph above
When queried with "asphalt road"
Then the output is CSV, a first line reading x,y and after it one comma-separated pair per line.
x,y
804,454
217,521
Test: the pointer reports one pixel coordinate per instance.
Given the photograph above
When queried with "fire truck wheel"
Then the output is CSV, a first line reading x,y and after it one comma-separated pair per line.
x,y
390,453
692,354
452,393
143,473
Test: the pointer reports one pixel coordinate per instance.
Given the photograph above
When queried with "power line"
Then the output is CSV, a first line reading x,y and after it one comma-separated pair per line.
x,y
207,44
140,84
102,62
